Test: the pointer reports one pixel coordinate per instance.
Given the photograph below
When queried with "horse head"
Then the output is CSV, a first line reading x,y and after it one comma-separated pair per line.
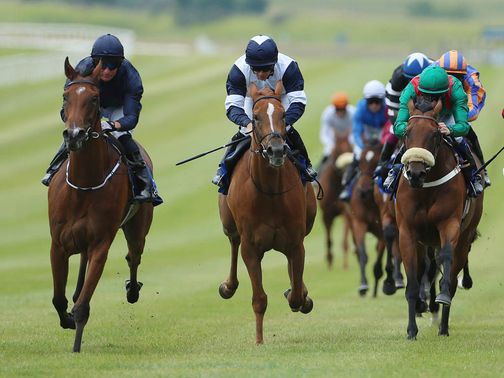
x,y
422,140
269,124
367,164
81,107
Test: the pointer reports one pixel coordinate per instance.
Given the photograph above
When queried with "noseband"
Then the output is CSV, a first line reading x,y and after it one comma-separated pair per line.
x,y
271,135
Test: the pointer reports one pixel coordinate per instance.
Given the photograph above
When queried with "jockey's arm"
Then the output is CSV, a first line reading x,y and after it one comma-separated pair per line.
x,y
459,110
403,115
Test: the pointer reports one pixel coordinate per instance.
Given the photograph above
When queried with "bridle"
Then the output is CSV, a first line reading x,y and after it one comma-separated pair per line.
x,y
261,142
437,135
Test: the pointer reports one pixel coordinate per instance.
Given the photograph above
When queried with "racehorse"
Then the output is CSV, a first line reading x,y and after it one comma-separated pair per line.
x,y
430,210
330,179
365,216
88,203
267,207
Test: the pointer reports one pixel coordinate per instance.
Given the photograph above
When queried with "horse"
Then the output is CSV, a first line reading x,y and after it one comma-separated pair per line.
x,y
330,179
267,207
431,197
365,216
88,204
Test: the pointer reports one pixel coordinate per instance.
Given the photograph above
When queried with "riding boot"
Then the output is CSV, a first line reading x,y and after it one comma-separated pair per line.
x,y
473,139
229,160
473,182
386,153
55,164
348,179
137,164
296,144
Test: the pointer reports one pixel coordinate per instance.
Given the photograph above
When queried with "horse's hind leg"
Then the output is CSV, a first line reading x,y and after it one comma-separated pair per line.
x,y
135,232
390,235
81,277
59,266
328,221
377,268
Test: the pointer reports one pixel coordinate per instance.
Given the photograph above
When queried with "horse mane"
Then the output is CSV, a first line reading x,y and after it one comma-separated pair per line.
x,y
423,104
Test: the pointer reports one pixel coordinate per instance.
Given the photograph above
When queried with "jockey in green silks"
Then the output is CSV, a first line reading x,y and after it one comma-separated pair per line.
x,y
433,84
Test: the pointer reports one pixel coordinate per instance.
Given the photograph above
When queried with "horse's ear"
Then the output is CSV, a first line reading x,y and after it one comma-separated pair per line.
x,y
279,88
411,106
438,107
96,71
69,70
252,89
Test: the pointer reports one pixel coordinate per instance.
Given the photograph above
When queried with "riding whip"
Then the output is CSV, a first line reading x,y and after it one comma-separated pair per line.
x,y
489,161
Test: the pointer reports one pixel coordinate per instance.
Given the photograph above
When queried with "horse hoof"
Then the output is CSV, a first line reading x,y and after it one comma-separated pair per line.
x,y
67,321
286,293
421,307
225,292
399,283
467,282
389,288
363,290
411,337
308,305
132,292
443,299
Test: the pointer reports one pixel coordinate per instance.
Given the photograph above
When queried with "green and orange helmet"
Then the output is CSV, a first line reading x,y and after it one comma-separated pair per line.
x,y
433,80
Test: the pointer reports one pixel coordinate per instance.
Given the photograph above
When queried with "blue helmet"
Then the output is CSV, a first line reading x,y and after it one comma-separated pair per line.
x,y
414,64
261,51
107,45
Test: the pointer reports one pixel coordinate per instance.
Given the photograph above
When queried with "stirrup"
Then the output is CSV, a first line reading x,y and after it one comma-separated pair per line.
x,y
311,173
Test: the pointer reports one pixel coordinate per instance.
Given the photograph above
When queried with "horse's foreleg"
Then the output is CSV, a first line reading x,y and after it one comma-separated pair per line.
x,y
389,234
228,287
359,231
81,308
328,221
407,245
377,268
297,296
449,233
398,277
59,267
344,243
81,277
259,298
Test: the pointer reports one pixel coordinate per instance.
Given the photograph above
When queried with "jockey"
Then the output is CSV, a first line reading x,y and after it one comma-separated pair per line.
x,y
263,65
434,83
120,93
369,120
335,122
413,65
455,64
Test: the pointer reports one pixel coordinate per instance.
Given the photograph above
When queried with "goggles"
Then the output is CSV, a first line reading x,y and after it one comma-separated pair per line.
x,y
111,63
262,68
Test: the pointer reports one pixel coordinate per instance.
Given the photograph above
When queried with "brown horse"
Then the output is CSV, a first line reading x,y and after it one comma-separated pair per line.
x,y
88,204
430,211
267,207
365,216
330,179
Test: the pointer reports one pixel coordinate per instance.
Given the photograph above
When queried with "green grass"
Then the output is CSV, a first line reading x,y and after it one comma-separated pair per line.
x,y
180,326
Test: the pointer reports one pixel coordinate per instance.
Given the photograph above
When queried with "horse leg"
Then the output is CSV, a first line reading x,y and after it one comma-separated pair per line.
x,y
421,306
377,268
81,277
407,246
135,231
328,221
81,307
398,277
346,232
389,234
467,281
449,234
259,298
228,287
431,274
359,238
59,267
297,296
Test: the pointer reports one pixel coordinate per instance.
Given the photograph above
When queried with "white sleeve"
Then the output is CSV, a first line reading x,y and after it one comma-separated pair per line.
x,y
326,131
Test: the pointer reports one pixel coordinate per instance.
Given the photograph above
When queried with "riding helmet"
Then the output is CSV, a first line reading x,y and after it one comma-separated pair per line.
x,y
414,64
374,89
453,62
339,100
107,45
261,51
433,80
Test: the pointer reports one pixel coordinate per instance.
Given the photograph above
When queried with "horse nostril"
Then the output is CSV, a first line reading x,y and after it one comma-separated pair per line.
x,y
269,151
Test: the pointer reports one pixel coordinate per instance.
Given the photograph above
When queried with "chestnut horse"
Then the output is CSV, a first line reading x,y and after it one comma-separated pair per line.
x,y
365,216
267,207
88,203
330,179
430,210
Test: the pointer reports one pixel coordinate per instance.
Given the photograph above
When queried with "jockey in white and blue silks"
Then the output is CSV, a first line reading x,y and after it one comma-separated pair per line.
x,y
121,90
263,65
369,120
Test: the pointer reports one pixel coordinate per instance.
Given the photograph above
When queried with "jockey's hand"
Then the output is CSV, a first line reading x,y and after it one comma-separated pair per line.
x,y
444,129
249,128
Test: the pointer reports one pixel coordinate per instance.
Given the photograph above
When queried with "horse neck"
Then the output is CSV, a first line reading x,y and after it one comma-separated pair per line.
x,y
90,165
445,162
